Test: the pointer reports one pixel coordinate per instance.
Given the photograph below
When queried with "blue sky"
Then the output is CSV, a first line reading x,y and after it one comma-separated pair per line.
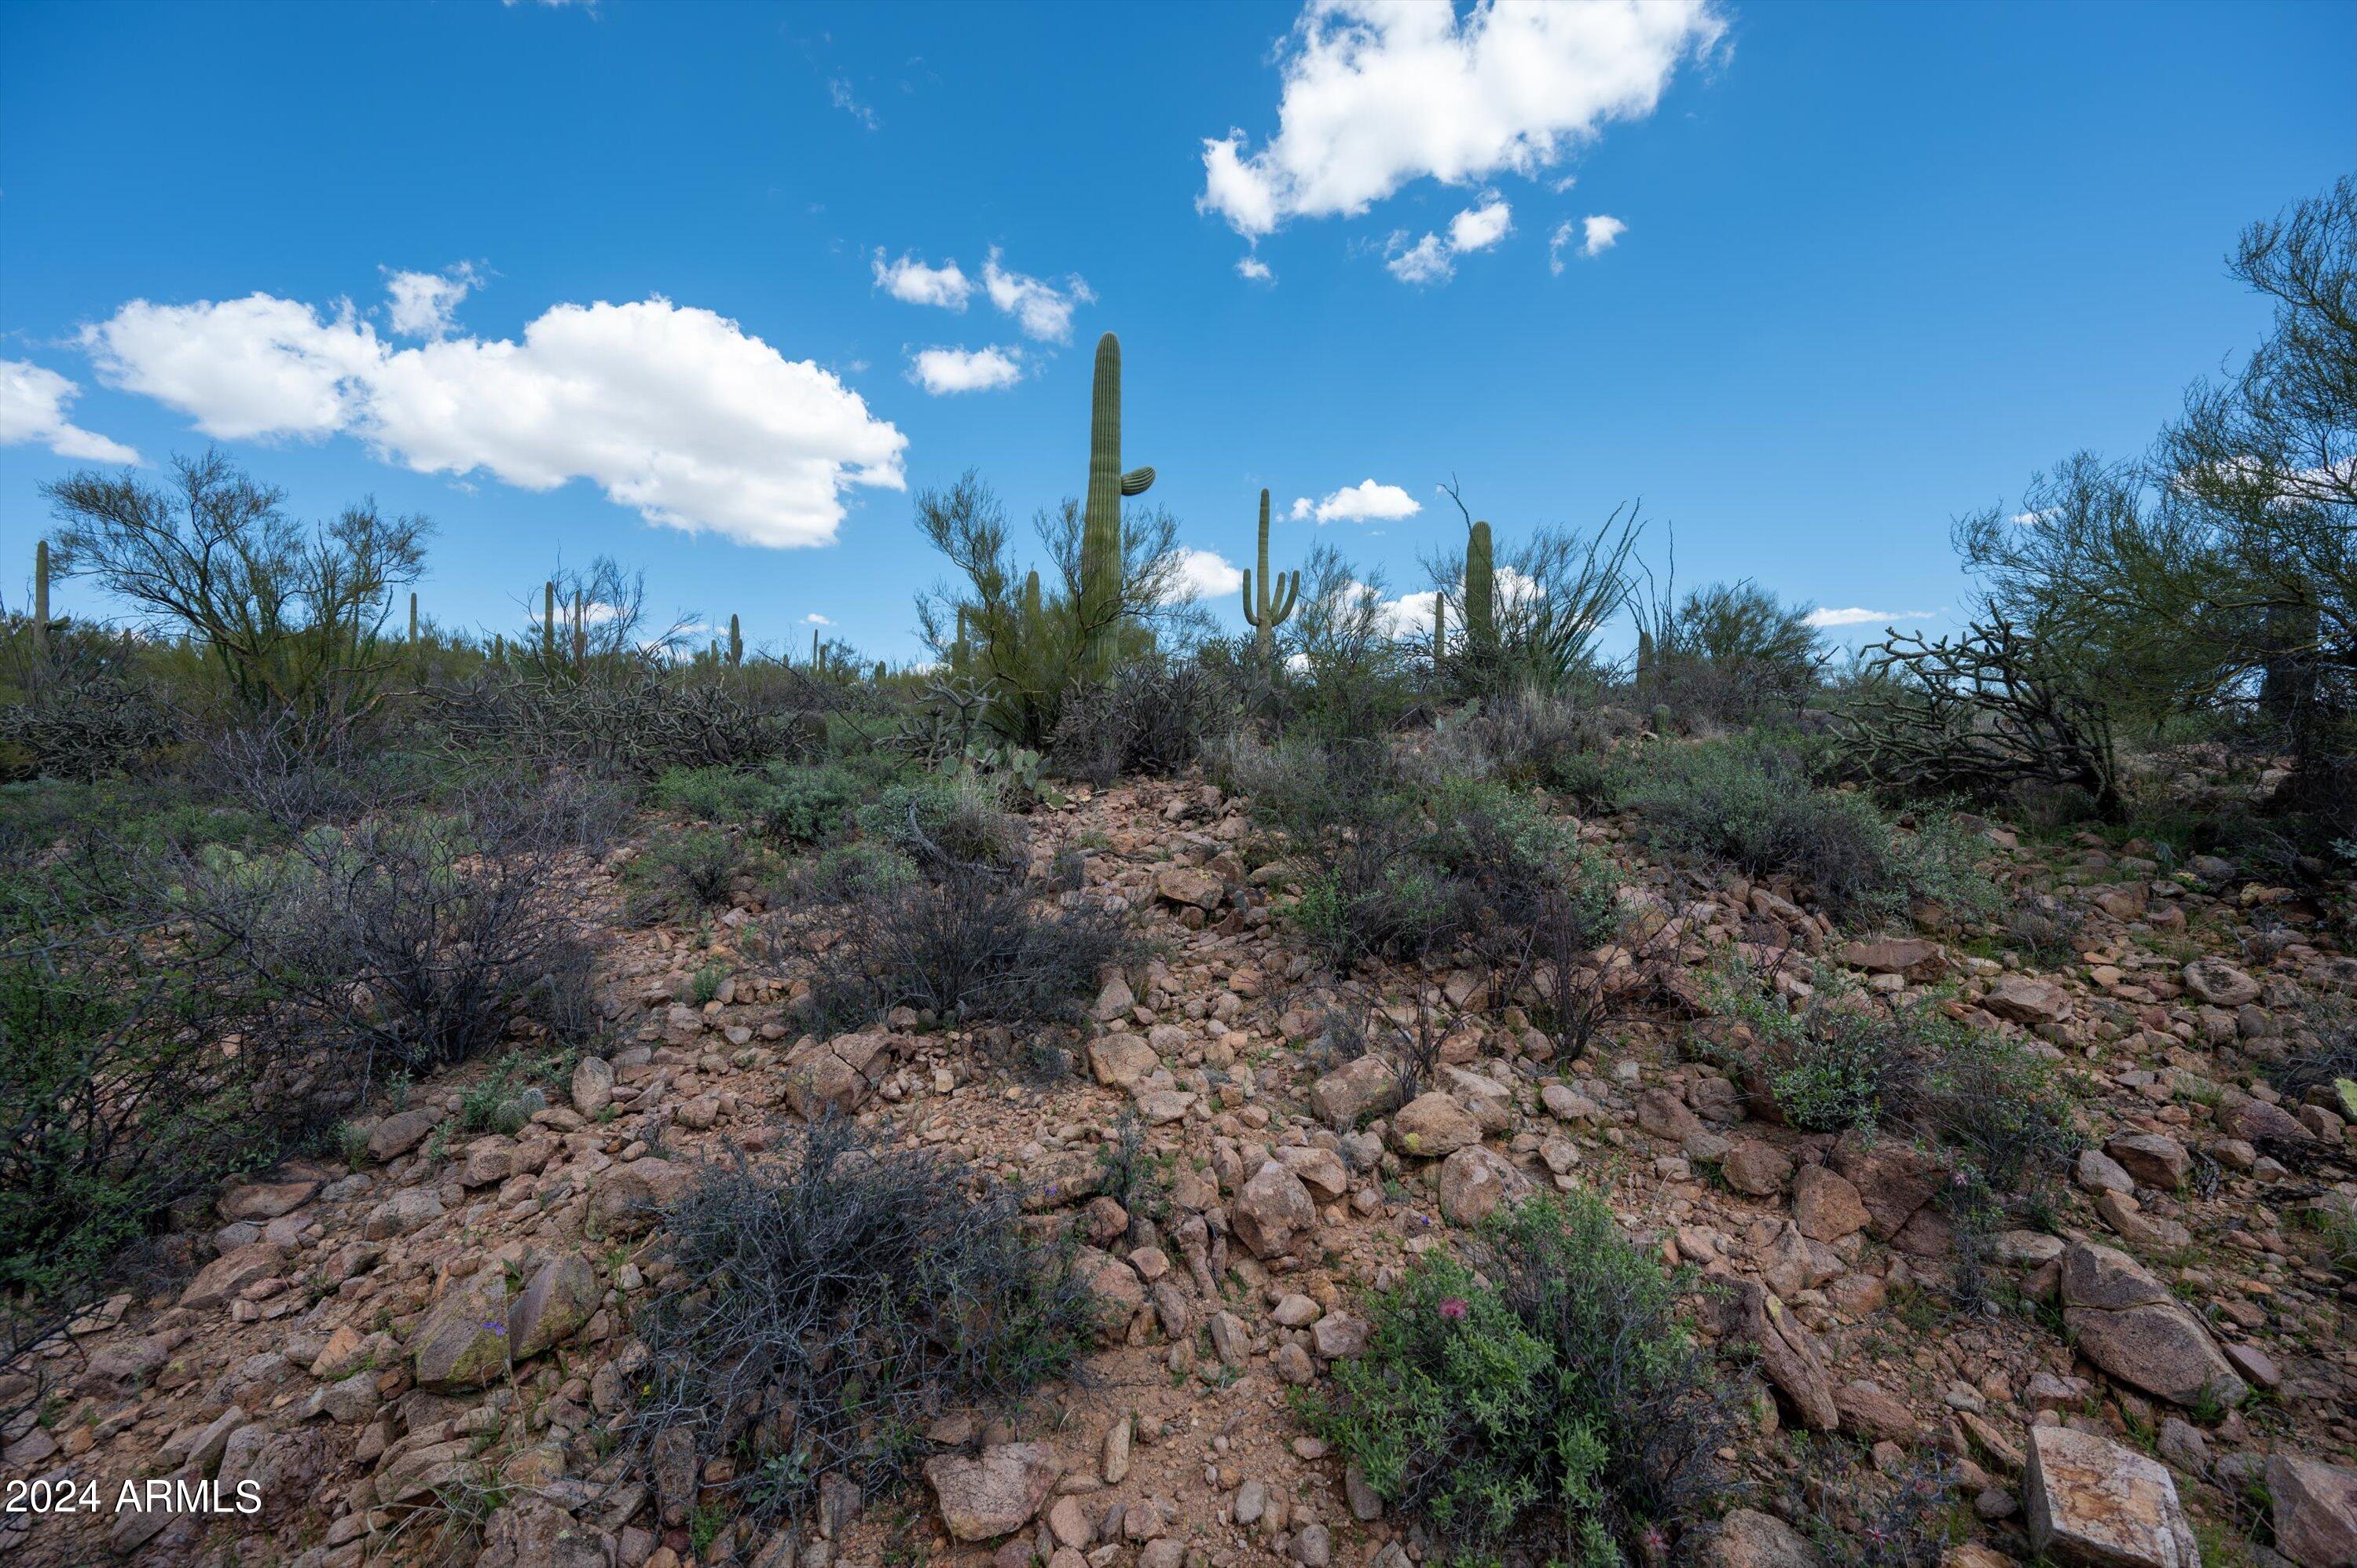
x,y
1868,267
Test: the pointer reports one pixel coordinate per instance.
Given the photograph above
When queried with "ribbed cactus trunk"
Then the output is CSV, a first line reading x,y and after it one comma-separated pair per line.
x,y
41,597
1481,590
580,630
1270,610
1439,628
548,624
736,643
816,663
1100,585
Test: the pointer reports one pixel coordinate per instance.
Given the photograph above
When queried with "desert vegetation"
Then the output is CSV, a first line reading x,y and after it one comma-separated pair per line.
x,y
1110,1089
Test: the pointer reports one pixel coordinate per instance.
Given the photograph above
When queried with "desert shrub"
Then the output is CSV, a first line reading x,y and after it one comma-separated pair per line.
x,y
855,870
685,868
945,821
2047,929
969,944
1938,863
1857,1517
1752,805
1152,718
403,943
810,804
86,725
116,1102
628,716
1546,1394
823,1309
709,794
1375,894
1535,739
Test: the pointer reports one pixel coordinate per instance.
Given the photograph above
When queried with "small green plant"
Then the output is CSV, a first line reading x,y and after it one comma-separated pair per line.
x,y
1543,1394
703,985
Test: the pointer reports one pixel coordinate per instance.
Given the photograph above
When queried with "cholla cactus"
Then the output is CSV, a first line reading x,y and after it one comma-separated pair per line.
x,y
1101,521
1271,610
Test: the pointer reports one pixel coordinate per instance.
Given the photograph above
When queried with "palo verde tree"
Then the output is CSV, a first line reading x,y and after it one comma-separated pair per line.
x,y
293,616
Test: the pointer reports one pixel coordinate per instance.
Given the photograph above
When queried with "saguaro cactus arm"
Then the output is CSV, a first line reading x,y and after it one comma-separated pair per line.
x,y
1266,613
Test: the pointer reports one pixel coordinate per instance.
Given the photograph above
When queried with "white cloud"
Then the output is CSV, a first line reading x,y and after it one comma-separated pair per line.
x,y
838,93
1253,268
1366,502
1557,242
1600,233
1380,92
423,305
1479,227
1207,574
1855,616
1432,259
943,370
33,402
814,619
676,412
912,281
1427,260
1043,310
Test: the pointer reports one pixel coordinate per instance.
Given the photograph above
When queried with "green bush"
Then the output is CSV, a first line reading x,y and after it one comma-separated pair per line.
x,y
709,794
855,870
1752,805
810,804
685,868
1543,1395
945,821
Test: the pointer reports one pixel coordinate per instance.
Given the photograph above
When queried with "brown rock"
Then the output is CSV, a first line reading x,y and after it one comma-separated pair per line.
x,y
2314,1511
995,1493
626,1197
561,1296
231,1272
1120,1061
1873,1414
1357,1089
1432,1126
2219,983
2128,1323
1913,956
1474,1181
1746,1538
1664,1115
2025,999
2095,1504
1274,1211
1758,1168
402,1131
1825,1206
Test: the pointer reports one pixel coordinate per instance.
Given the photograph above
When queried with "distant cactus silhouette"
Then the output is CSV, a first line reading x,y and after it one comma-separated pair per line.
x,y
736,643
41,597
1272,610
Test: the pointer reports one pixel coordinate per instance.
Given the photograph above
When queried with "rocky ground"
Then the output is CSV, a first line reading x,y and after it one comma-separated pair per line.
x,y
437,1336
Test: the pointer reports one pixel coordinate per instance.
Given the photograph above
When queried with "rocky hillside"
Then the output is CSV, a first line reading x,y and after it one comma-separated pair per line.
x,y
425,1352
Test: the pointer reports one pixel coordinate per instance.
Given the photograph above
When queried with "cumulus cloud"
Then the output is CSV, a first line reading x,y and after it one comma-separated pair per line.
x,y
1207,574
1041,309
943,370
423,305
1255,268
1598,234
1856,616
1366,502
814,619
912,281
676,412
1427,260
1479,227
33,404
1377,93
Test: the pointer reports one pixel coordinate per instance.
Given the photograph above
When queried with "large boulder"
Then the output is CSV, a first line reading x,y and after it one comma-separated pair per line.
x,y
2314,1511
463,1342
561,1295
1119,1060
1825,1206
2155,1159
2127,1323
993,1493
231,1272
1274,1211
2025,999
1432,1126
2220,984
1788,1353
2095,1504
1356,1090
626,1197
834,1077
402,1131
593,1086
532,1532
1913,956
1746,1538
1474,1181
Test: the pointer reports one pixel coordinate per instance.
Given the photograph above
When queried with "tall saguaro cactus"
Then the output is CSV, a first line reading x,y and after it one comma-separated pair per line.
x,y
1100,522
736,643
1271,608
41,597
1481,589
1439,629
548,623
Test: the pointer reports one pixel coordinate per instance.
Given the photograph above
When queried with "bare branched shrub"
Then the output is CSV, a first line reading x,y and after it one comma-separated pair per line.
x,y
1152,718
630,717
820,1311
88,725
1980,714
970,944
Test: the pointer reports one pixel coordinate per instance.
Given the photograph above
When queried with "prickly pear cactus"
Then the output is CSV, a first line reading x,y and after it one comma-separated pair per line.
x,y
1270,612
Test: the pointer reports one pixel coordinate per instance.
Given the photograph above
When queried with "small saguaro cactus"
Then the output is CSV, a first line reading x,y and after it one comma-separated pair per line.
x,y
1100,522
1644,654
412,618
41,597
1439,628
880,671
1031,611
1481,589
1271,608
580,628
548,622
736,643
818,658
